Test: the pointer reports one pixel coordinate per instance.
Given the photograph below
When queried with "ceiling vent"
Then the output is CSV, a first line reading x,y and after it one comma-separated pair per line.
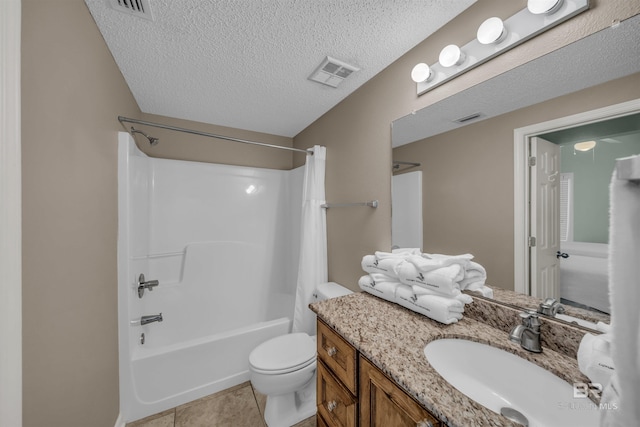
x,y
332,72
468,118
139,8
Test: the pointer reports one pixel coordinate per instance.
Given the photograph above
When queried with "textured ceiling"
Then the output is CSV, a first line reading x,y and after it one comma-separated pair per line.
x,y
245,64
606,55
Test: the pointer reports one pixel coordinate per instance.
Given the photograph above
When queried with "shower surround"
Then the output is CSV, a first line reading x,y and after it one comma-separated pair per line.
x,y
223,243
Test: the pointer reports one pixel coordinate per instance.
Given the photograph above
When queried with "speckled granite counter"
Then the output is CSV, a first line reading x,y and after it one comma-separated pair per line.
x,y
529,302
393,338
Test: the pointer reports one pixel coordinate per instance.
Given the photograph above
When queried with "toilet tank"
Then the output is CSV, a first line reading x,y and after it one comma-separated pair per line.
x,y
328,290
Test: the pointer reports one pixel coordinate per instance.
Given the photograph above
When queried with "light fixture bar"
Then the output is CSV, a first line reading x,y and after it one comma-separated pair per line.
x,y
521,27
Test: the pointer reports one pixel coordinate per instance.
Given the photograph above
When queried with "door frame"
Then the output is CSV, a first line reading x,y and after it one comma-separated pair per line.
x,y
521,184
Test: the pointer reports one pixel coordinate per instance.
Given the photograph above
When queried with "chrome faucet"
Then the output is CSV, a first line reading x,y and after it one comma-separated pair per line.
x,y
142,285
527,334
550,307
144,320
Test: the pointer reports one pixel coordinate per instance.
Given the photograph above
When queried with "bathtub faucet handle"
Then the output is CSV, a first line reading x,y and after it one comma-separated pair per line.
x,y
142,285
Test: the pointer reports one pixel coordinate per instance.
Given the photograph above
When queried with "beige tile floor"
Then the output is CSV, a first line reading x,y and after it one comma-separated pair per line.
x,y
239,406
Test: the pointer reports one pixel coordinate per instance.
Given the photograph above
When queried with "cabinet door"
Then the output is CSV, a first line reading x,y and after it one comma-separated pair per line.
x,y
339,356
336,404
383,403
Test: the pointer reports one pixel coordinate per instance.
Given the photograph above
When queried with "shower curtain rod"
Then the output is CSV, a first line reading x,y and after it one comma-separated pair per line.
x,y
122,119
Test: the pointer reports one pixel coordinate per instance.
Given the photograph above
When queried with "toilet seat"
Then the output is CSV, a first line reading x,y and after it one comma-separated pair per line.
x,y
283,354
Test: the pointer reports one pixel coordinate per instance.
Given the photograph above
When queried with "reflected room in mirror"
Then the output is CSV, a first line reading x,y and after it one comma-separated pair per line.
x,y
586,154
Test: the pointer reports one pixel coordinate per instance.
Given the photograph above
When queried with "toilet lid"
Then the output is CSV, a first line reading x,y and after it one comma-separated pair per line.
x,y
285,352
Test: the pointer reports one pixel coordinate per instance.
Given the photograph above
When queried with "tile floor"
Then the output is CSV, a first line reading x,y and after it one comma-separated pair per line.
x,y
239,406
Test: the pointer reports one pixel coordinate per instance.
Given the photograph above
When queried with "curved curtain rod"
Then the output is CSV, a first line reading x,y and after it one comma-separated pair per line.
x,y
122,119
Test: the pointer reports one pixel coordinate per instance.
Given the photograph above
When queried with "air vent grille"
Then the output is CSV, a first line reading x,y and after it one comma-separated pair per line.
x,y
332,72
468,118
139,8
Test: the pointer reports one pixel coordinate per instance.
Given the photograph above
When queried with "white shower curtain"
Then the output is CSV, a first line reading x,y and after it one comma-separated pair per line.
x,y
312,267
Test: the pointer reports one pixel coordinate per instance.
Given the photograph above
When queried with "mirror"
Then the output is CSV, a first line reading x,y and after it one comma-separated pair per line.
x,y
468,164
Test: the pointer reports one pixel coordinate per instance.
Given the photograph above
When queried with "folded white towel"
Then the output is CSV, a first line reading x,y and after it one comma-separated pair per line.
x,y
457,294
399,253
428,262
387,266
594,358
475,276
442,309
485,291
442,280
380,286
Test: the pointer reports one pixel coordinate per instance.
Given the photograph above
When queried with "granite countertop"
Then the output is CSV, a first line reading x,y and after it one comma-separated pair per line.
x,y
525,301
393,338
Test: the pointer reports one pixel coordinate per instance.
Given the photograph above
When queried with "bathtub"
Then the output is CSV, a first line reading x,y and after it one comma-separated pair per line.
x,y
223,243
165,377
584,274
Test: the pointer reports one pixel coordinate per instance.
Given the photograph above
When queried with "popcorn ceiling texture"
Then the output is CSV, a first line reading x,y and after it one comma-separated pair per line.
x,y
245,64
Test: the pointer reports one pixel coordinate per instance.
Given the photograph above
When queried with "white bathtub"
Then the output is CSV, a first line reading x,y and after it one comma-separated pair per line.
x,y
223,243
584,275
165,377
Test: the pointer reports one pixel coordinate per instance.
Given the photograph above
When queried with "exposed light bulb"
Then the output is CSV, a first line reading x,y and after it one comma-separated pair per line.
x,y
421,73
451,55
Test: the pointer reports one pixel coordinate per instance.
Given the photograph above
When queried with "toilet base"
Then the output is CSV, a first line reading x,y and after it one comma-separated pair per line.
x,y
286,410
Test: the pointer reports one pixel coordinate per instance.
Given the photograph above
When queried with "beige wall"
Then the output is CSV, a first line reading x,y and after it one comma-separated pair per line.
x,y
72,92
184,146
468,177
357,135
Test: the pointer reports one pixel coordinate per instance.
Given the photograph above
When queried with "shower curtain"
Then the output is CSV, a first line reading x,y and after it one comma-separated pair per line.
x,y
312,267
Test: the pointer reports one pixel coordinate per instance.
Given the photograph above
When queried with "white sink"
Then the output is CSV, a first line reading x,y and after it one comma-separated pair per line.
x,y
498,379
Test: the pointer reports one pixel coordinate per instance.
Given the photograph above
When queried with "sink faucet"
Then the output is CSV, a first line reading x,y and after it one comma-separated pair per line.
x,y
144,320
550,307
527,334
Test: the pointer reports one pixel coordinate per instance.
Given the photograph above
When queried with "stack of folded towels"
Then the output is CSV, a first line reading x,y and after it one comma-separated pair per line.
x,y
429,284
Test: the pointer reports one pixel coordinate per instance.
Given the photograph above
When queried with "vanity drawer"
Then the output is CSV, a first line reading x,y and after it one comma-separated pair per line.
x,y
339,356
336,404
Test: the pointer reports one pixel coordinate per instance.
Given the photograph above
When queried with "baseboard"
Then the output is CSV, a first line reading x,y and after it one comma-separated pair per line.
x,y
119,421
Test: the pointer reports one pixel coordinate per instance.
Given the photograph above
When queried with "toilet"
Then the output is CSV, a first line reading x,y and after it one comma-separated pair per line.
x,y
284,369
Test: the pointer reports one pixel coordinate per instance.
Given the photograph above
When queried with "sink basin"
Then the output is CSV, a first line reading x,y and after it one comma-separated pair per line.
x,y
498,379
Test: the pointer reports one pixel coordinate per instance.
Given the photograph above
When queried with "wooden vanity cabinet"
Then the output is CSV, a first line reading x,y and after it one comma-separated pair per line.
x,y
353,392
383,403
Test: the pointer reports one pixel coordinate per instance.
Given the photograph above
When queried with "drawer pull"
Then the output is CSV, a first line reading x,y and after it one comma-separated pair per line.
x,y
424,423
332,405
332,351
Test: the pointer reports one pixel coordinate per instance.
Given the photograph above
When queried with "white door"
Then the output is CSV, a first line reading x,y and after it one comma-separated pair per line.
x,y
545,219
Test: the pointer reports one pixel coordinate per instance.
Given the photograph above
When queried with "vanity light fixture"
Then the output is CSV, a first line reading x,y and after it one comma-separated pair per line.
x,y
544,7
492,31
494,37
584,146
421,73
451,55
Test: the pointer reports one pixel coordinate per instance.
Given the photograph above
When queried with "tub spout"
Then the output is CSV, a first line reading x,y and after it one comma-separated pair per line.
x,y
144,320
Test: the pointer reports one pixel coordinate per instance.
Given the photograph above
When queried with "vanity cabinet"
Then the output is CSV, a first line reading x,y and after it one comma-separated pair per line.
x,y
383,403
351,391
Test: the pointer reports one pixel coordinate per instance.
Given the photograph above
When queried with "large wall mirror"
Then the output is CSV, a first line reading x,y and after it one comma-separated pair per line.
x,y
419,146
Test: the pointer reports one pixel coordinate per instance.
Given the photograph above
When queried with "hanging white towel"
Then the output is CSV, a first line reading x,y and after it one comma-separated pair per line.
x,y
594,358
624,294
442,309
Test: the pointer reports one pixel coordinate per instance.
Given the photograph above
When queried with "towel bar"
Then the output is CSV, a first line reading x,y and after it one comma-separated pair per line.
x,y
372,203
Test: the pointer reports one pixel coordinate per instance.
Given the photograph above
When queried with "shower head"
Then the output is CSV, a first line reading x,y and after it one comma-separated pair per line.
x,y
153,141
